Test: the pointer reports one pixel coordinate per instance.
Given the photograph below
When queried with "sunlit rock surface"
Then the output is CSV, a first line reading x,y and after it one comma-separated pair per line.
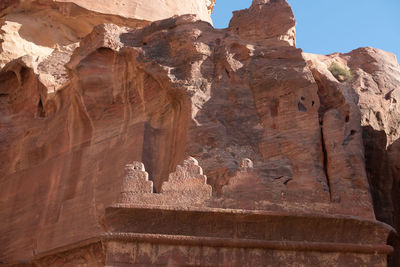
x,y
128,129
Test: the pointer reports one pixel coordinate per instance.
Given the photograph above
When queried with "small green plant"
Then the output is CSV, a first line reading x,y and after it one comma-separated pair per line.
x,y
340,72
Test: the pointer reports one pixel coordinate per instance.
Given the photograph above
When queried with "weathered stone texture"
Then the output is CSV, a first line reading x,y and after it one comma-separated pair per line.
x,y
276,18
374,88
176,255
49,30
172,119
136,181
148,10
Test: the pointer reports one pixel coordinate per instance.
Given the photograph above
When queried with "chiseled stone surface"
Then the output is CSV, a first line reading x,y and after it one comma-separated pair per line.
x,y
231,119
175,255
187,186
188,179
136,181
218,237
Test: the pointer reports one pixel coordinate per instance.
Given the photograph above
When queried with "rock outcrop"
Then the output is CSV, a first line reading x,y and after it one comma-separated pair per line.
x,y
259,132
374,87
149,10
49,30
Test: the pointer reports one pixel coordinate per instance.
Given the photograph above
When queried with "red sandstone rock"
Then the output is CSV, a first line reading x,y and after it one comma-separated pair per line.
x,y
374,88
49,30
266,22
185,187
149,10
136,181
73,117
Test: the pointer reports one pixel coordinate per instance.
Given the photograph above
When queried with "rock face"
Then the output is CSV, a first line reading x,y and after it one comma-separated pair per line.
x,y
375,88
148,10
93,136
276,18
48,29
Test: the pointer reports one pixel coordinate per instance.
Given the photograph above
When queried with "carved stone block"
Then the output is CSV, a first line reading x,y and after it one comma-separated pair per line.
x,y
188,180
136,181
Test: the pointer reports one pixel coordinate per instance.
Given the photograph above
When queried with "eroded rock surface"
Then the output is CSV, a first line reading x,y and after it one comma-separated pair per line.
x,y
49,30
266,131
276,18
375,88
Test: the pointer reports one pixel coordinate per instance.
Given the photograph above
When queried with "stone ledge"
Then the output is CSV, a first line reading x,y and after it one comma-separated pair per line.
x,y
244,224
249,243
134,231
225,242
245,211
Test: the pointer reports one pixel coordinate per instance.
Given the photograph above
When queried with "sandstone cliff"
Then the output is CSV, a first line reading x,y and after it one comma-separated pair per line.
x,y
80,102
44,27
374,86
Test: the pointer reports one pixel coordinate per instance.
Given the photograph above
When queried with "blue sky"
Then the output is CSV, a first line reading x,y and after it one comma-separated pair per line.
x,y
328,26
